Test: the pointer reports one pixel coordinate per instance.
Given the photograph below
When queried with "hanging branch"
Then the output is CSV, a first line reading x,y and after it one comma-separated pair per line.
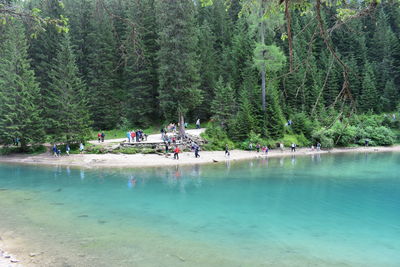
x,y
345,92
364,12
289,34
323,86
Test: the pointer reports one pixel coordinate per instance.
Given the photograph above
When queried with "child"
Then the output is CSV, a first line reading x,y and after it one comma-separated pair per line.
x,y
176,152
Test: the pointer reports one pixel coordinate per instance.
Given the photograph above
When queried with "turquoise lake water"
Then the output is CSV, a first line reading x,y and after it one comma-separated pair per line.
x,y
321,210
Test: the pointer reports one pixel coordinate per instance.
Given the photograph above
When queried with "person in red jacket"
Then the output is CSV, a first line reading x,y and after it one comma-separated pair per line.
x,y
176,152
133,135
99,136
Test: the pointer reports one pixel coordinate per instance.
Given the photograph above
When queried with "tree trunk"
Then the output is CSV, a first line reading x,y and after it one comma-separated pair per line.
x,y
262,40
181,120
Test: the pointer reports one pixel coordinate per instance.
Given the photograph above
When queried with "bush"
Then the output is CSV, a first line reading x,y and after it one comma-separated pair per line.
x,y
299,139
301,124
323,137
216,138
342,134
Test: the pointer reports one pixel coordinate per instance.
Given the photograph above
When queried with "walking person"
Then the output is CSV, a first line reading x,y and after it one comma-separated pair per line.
x,y
251,146
128,135
176,152
281,147
67,149
227,153
318,146
258,147
99,136
133,135
55,150
196,152
102,137
198,124
293,147
81,148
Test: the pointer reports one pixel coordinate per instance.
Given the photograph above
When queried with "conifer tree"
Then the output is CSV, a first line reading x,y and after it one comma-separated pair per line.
x,y
369,97
102,77
274,120
140,73
68,117
223,104
19,92
178,73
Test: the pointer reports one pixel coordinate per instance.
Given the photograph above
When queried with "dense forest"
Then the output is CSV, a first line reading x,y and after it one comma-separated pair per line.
x,y
244,68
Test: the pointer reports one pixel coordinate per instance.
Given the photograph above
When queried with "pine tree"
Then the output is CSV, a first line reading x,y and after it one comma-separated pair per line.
x,y
369,97
244,123
274,120
208,69
178,73
19,92
68,118
101,82
140,74
223,104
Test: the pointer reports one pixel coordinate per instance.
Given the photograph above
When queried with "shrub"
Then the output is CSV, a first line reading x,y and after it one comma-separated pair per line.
x,y
216,138
342,134
323,137
301,124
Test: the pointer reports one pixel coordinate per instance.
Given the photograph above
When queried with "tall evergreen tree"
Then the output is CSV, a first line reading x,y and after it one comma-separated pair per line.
x,y
140,76
102,76
178,73
19,92
68,117
369,97
223,104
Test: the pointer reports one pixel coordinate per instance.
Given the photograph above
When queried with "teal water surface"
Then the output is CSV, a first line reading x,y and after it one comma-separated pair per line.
x,y
328,210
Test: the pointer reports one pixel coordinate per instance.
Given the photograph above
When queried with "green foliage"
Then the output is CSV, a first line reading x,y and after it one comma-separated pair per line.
x,y
323,137
66,114
178,73
223,103
301,124
268,57
216,138
19,92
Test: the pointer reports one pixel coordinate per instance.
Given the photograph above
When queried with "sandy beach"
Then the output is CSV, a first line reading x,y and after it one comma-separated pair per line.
x,y
157,160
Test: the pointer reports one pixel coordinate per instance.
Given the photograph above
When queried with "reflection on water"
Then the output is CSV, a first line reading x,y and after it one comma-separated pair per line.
x,y
289,211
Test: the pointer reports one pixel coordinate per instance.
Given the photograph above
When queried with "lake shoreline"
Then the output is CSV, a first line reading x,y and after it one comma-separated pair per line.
x,y
160,160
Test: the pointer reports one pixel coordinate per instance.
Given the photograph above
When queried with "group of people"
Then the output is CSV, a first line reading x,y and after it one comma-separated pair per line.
x,y
101,136
137,136
57,151
264,149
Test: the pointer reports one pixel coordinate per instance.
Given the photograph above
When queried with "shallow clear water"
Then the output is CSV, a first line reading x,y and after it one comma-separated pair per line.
x,y
328,210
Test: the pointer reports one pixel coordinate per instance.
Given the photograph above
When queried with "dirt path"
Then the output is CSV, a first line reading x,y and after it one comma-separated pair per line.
x,y
152,138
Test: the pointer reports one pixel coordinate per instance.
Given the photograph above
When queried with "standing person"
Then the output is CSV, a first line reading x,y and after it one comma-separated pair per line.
x,y
67,149
102,136
128,135
55,150
293,147
137,136
166,148
251,146
176,152
266,150
133,134
366,142
318,146
258,147
281,146
227,153
81,148
162,133
196,152
99,136
198,124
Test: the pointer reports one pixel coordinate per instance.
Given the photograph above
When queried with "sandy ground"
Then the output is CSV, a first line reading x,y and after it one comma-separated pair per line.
x,y
153,138
153,160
